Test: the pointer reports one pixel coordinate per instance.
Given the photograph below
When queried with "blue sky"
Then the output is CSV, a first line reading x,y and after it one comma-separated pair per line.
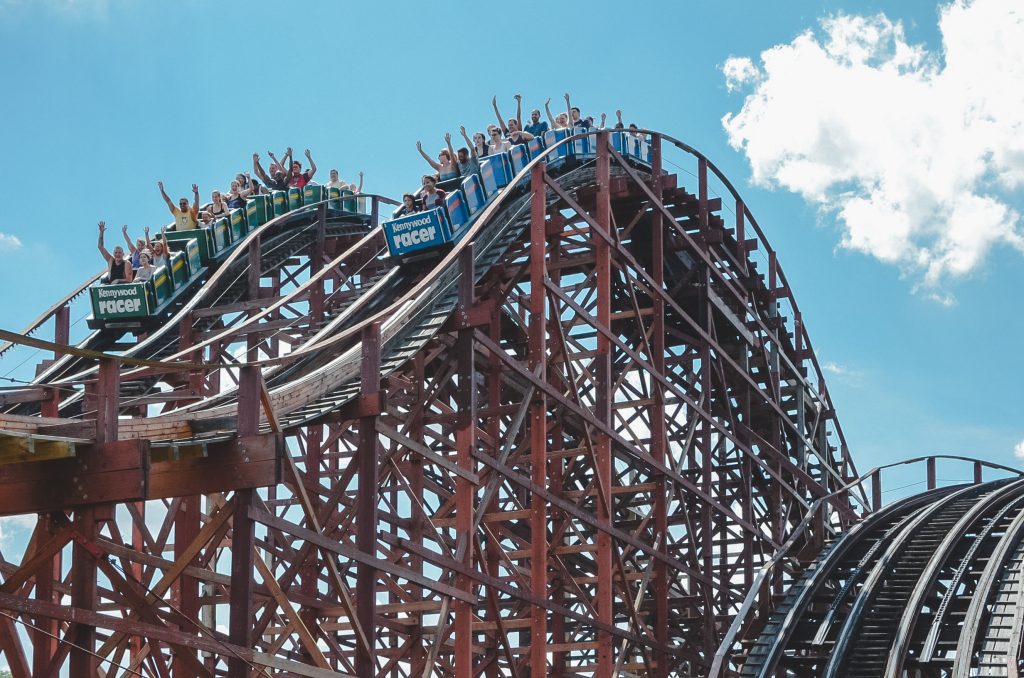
x,y
103,98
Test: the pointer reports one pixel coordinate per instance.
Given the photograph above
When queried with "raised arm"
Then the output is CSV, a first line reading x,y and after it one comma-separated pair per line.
x,y
519,110
547,109
604,117
195,201
278,162
451,151
501,122
99,244
170,205
145,232
360,189
568,112
258,169
618,119
131,245
469,143
312,165
433,163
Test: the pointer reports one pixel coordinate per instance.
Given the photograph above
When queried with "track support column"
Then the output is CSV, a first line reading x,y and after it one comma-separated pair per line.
x,y
465,445
83,565
603,412
659,433
537,362
243,532
366,511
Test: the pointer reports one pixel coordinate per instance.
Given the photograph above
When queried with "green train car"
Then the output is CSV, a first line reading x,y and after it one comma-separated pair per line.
x,y
141,305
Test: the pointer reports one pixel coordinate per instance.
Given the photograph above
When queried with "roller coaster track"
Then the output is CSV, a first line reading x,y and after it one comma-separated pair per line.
x,y
562,446
928,586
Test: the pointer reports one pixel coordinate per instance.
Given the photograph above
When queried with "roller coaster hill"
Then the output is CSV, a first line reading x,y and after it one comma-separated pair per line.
x,y
577,429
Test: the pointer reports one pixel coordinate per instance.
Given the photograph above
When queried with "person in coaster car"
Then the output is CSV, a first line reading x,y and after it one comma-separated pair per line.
x,y
445,165
430,195
119,269
408,206
185,217
278,179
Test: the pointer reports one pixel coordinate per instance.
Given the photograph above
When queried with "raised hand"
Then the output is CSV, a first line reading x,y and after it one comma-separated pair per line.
x,y
124,229
160,184
360,176
144,230
103,226
255,156
494,100
548,102
518,97
195,188
566,97
448,137
419,146
307,154
289,151
462,128
618,113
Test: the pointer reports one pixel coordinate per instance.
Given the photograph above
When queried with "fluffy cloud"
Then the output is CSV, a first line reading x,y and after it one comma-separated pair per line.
x,y
9,243
918,155
1019,450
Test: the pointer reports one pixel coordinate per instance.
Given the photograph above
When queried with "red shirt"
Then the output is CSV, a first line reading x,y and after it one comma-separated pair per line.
x,y
300,180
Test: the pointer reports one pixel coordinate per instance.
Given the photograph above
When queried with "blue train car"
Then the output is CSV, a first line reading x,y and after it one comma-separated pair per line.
x,y
584,145
495,173
416,232
535,146
458,213
519,158
474,193
552,137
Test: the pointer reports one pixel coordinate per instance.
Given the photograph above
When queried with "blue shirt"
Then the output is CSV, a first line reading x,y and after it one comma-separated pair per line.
x,y
537,129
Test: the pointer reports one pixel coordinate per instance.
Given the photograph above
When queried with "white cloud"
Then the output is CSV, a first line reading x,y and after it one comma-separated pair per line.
x,y
918,154
1018,450
9,243
739,71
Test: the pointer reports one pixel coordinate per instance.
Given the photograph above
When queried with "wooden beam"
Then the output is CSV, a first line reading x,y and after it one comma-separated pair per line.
x,y
101,472
243,463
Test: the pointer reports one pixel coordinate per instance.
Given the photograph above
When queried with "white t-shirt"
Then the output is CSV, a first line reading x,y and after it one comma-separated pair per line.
x,y
498,146
339,184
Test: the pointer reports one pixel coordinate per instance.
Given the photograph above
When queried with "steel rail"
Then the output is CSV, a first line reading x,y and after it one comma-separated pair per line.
x,y
964,661
908,621
807,587
838,658
739,622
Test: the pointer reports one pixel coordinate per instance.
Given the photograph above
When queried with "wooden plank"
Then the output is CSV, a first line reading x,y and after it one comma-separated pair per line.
x,y
101,473
28,395
20,448
243,463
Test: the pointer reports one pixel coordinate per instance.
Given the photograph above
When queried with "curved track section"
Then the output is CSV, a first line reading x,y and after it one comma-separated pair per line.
x,y
930,586
562,447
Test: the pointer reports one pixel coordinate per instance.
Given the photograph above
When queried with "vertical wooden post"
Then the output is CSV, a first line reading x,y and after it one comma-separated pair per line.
x,y
83,565
876,490
603,412
659,432
537,361
366,511
465,444
977,472
243,531
186,529
931,473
